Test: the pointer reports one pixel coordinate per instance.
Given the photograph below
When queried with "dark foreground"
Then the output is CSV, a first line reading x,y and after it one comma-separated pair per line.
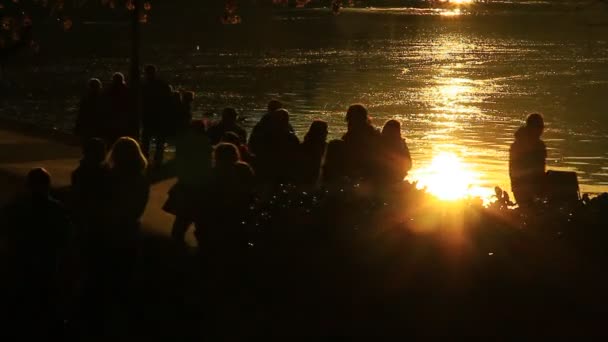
x,y
351,263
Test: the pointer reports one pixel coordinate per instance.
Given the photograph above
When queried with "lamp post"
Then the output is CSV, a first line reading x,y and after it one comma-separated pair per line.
x,y
135,60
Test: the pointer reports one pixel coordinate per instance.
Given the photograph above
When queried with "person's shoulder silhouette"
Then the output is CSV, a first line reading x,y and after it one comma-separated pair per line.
x,y
36,223
129,183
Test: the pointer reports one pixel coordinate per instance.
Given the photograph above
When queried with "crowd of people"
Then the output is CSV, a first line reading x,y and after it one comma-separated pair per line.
x,y
112,112
220,171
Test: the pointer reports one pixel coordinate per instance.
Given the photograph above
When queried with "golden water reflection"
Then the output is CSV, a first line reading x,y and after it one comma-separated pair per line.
x,y
450,178
451,13
451,171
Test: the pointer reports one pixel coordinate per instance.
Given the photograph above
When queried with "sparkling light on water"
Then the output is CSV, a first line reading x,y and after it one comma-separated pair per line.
x,y
450,179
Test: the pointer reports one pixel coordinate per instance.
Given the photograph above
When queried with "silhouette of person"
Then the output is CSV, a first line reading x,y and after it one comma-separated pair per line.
x,y
395,155
37,229
185,113
121,117
90,185
276,156
334,164
128,185
90,120
231,177
111,248
228,123
260,130
527,161
311,153
129,192
157,108
174,116
223,240
231,187
362,143
233,138
193,158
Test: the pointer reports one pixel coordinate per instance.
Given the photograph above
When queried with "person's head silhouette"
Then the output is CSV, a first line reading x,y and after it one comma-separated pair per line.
x,y
357,116
226,154
94,151
126,156
317,131
535,124
229,115
274,105
150,72
187,97
118,79
392,129
280,120
94,86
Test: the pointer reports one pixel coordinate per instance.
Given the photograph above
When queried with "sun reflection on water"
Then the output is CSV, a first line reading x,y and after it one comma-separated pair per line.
x,y
452,13
449,178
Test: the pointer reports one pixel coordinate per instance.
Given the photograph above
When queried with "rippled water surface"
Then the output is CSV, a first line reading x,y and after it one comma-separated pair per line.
x,y
459,83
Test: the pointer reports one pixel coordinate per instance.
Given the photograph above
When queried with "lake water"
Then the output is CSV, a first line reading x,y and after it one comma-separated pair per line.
x,y
460,82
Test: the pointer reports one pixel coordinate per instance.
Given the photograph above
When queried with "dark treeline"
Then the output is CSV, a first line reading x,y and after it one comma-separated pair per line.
x,y
294,237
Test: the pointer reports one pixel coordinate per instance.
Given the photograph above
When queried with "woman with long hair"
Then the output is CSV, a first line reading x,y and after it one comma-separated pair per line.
x,y
129,189
395,156
113,247
311,153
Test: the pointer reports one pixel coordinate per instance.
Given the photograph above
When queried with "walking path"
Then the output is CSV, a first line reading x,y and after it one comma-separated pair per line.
x,y
21,150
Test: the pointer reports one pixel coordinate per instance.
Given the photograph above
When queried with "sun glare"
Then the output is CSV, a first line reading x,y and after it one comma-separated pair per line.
x,y
449,179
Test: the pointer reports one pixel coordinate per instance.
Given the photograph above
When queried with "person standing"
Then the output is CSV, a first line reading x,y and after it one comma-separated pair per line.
x,y
193,155
157,100
121,119
90,120
527,162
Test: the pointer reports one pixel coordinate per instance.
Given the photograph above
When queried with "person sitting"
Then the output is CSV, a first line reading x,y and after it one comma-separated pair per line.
x,y
193,156
362,143
90,120
334,166
260,130
232,177
527,161
223,240
230,189
37,231
276,156
395,155
233,138
228,123
311,153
